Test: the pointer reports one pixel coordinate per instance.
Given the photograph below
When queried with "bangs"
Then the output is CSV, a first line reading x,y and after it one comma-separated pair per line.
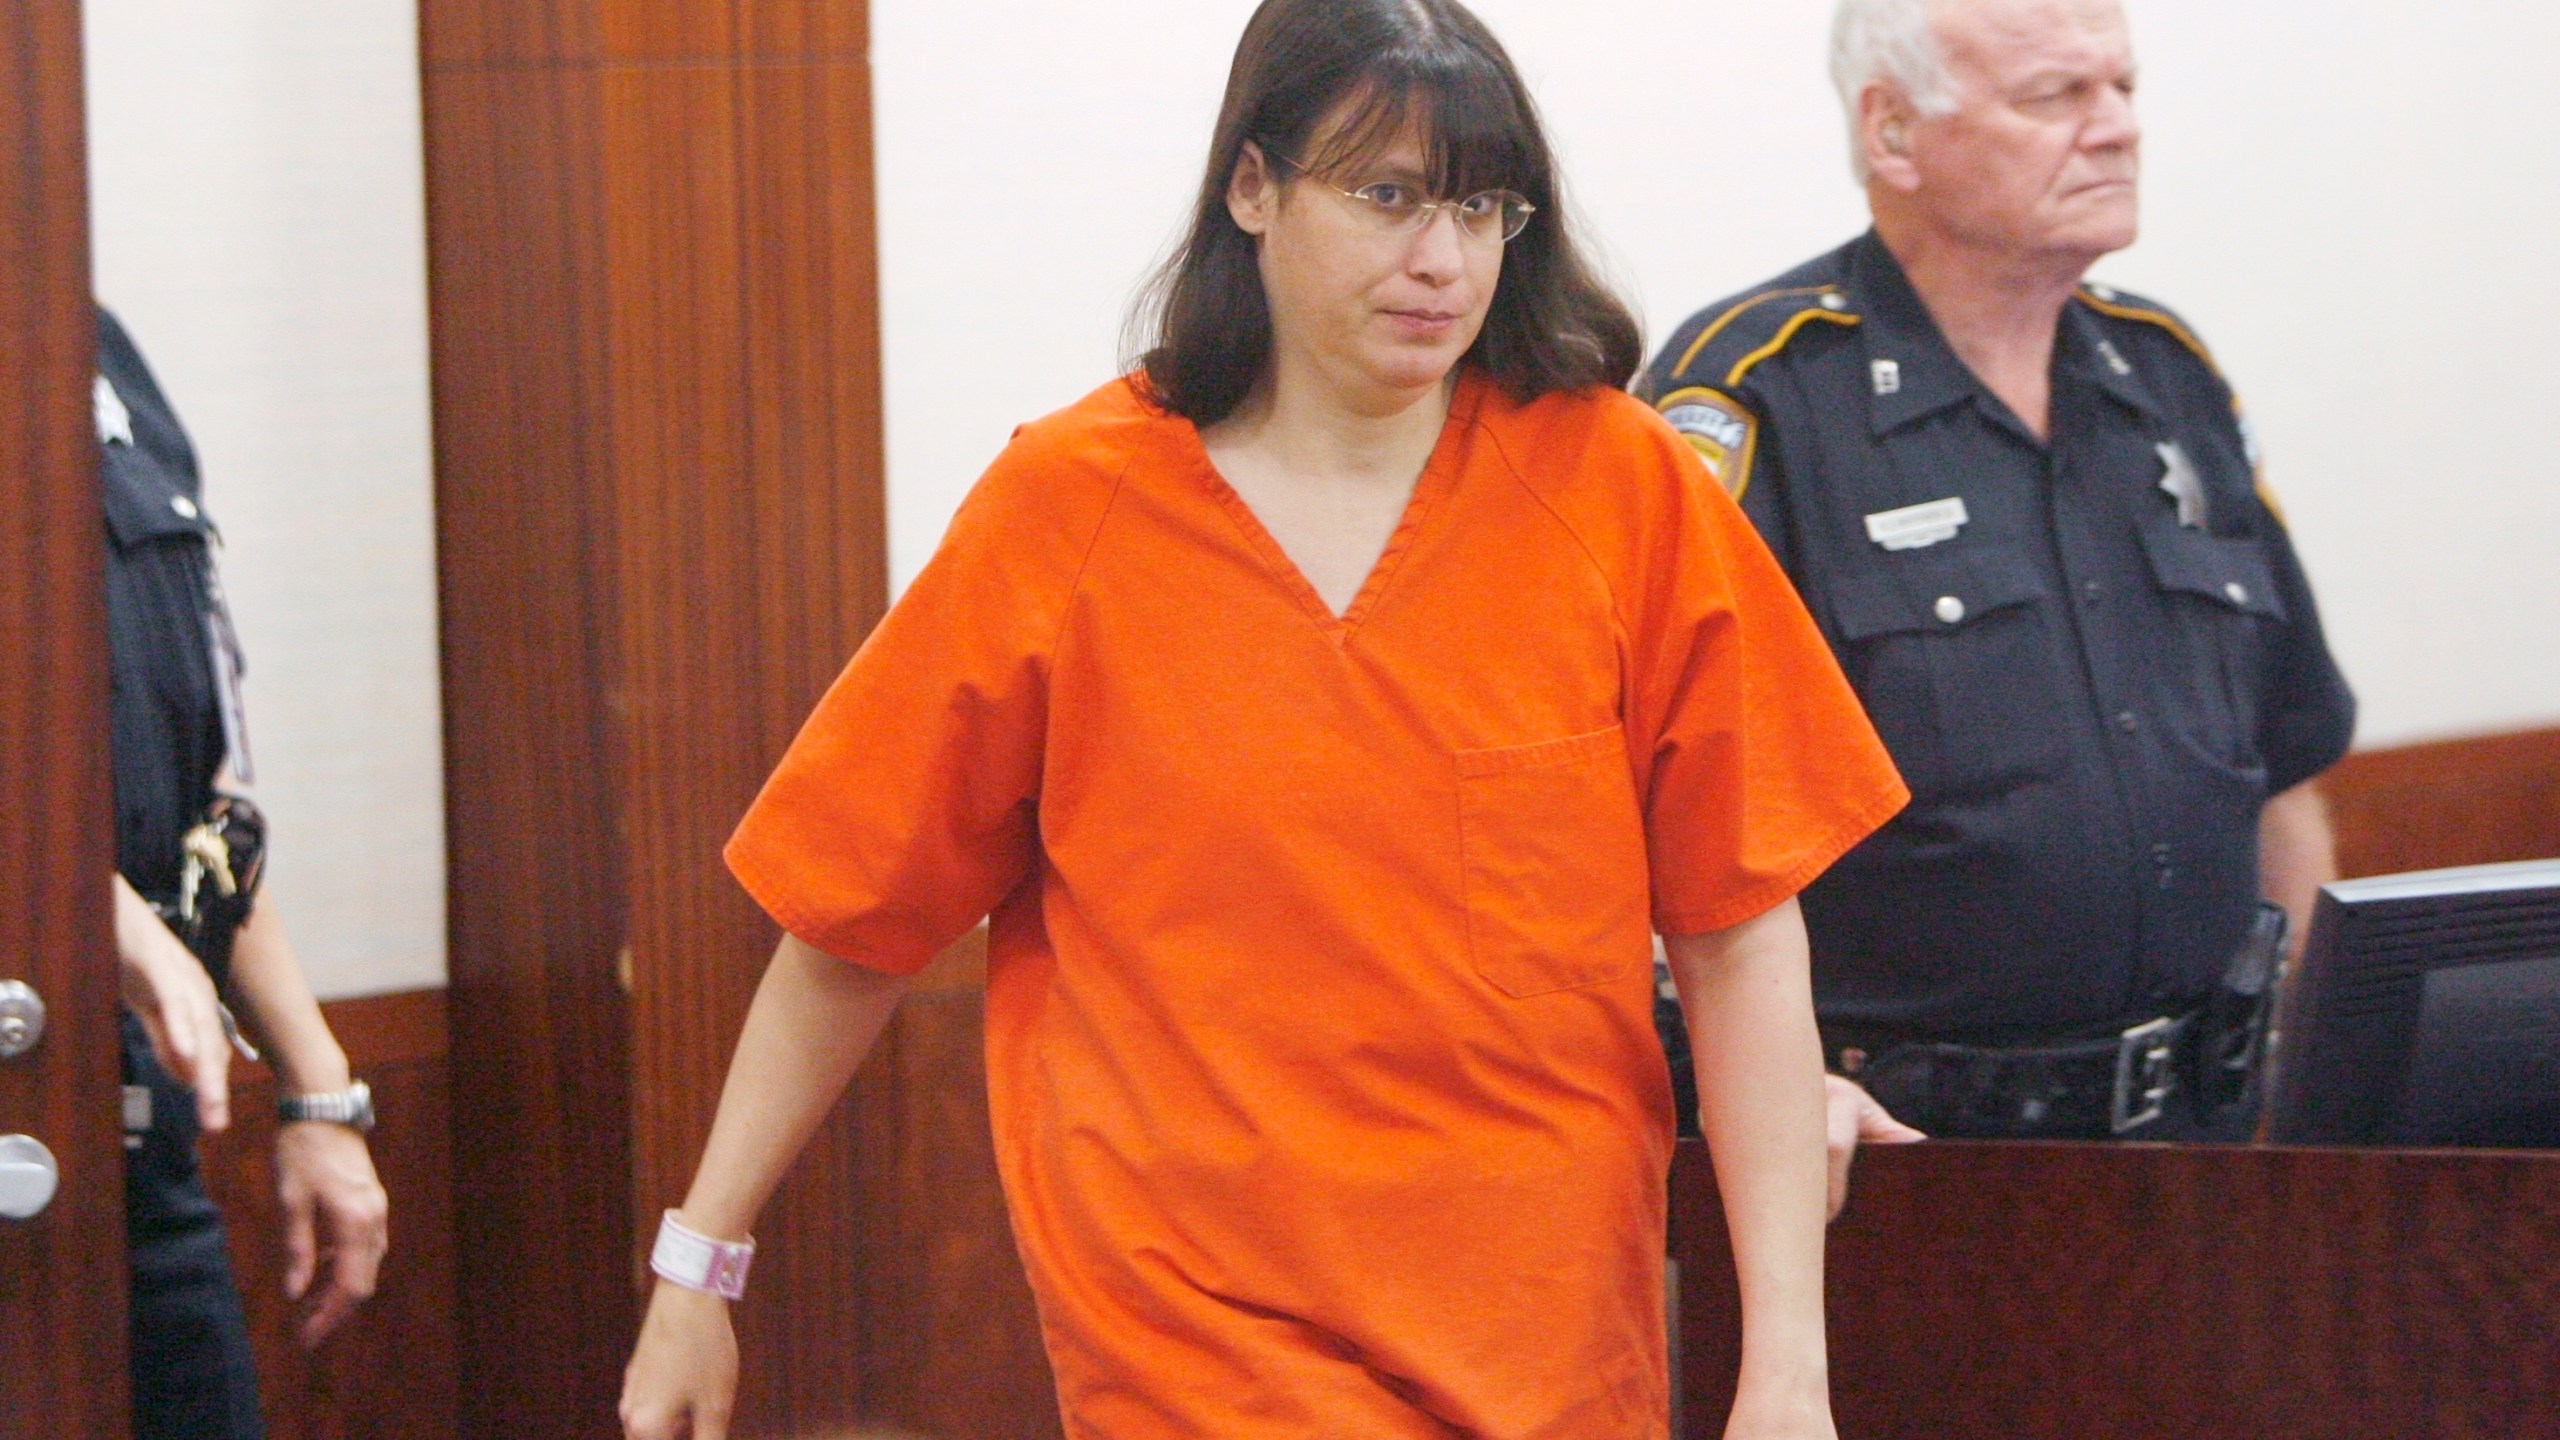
x,y
1331,87
1474,134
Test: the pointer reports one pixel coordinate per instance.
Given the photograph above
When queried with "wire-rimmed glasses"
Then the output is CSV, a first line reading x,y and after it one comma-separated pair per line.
x,y
1394,207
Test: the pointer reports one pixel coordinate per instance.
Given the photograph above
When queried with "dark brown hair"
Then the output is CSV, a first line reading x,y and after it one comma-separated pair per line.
x,y
1202,328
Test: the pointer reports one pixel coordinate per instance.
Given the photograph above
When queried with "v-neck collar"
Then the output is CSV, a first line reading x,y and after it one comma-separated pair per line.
x,y
1439,474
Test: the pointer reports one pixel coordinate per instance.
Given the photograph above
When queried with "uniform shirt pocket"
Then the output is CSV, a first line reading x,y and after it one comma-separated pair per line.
x,y
1950,651
1553,848
2225,618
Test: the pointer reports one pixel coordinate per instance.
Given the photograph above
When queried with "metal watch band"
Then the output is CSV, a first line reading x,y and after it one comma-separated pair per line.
x,y
697,1262
352,1106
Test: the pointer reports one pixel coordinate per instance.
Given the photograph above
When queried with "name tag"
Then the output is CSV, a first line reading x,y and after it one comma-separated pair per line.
x,y
1915,526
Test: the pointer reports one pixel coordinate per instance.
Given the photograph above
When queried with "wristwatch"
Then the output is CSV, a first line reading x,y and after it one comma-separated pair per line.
x,y
352,1107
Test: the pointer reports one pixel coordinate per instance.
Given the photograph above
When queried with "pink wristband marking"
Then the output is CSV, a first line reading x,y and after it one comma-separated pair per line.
x,y
697,1262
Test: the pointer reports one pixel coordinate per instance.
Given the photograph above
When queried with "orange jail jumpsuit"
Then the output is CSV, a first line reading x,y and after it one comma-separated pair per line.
x,y
1325,1086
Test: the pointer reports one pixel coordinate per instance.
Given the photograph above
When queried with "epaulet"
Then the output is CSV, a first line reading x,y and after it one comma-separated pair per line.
x,y
1729,340
2124,305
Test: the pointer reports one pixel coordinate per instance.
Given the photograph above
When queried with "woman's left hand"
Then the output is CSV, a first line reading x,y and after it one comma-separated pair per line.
x,y
1787,1423
1793,1408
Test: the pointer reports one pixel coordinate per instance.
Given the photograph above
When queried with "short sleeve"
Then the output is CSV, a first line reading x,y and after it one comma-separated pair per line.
x,y
905,810
1763,767
1762,489
2309,718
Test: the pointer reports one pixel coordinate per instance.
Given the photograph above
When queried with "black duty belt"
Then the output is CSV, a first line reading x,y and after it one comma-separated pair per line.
x,y
2083,1085
2115,1084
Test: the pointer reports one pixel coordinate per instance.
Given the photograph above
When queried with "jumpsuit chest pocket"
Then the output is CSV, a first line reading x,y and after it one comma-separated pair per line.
x,y
2224,613
1552,845
1952,653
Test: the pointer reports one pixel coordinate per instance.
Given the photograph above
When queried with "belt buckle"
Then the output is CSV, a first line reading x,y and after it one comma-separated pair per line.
x,y
2146,1071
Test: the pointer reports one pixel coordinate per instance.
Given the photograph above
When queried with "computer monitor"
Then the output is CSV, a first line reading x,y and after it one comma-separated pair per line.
x,y
2425,1011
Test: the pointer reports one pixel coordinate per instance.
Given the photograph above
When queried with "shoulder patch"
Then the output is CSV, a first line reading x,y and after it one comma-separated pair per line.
x,y
2122,305
1719,428
1739,335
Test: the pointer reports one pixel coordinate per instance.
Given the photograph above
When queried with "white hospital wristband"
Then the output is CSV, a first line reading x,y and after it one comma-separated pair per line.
x,y
698,1262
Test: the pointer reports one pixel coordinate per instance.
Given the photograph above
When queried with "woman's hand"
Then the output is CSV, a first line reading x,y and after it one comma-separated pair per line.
x,y
683,1376
1794,1406
813,1020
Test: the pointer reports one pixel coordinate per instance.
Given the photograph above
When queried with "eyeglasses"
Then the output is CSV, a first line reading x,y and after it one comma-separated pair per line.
x,y
1392,207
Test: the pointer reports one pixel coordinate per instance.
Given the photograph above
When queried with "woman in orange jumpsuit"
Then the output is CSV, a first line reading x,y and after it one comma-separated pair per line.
x,y
1328,713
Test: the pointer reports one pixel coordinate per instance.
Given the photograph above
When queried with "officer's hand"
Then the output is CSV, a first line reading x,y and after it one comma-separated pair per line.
x,y
324,1174
168,988
683,1376
1854,1118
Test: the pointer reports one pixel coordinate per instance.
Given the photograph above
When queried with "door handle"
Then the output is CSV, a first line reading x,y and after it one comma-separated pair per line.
x,y
28,1177
21,1018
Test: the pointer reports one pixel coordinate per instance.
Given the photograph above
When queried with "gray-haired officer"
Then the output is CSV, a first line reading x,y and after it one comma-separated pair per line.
x,y
191,926
2024,509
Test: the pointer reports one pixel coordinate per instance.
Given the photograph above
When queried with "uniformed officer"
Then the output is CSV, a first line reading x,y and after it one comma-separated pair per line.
x,y
2024,510
189,927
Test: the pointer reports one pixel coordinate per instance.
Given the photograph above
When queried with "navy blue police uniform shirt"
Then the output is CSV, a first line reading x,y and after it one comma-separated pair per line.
x,y
166,622
2094,658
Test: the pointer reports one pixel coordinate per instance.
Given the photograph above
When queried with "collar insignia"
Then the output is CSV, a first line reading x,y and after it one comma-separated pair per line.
x,y
115,423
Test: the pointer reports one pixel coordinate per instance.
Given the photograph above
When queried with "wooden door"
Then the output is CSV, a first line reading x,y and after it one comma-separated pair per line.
x,y
62,1281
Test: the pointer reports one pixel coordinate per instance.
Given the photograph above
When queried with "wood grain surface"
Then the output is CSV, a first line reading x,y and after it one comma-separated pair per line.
x,y
655,318
62,1275
951,1346
535,913
2474,801
752,561
2134,1291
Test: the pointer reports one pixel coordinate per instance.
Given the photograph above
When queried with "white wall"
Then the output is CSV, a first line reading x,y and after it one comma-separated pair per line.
x,y
2353,201
259,220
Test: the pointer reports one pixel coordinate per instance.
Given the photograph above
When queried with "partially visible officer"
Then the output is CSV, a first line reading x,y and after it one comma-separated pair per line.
x,y
189,852
2024,510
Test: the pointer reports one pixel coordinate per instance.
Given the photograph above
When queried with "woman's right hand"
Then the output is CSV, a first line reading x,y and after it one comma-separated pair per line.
x,y
813,1020
683,1376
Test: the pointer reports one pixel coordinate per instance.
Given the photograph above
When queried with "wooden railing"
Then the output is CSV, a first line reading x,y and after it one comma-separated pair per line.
x,y
2183,1293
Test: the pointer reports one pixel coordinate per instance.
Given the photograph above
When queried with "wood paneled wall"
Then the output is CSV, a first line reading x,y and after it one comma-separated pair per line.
x,y
62,1275
2451,802
390,1373
951,1343
654,318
